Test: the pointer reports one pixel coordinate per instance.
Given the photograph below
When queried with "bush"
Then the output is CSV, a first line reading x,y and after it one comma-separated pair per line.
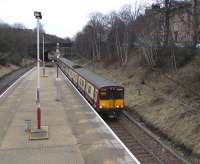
x,y
15,59
184,56
168,58
3,58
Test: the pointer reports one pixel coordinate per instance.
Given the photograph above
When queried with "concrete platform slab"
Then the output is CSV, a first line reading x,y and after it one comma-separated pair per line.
x,y
16,137
42,155
76,135
48,117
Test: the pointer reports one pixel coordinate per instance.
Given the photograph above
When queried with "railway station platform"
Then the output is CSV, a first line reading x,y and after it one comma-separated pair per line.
x,y
76,134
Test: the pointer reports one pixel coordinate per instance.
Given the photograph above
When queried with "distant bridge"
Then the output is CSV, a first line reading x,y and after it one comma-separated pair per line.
x,y
48,47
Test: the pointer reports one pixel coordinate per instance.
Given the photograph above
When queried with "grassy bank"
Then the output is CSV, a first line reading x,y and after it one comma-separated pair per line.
x,y
168,101
7,69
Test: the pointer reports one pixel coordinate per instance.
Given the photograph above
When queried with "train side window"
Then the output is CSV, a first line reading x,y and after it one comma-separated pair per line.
x,y
89,89
79,81
86,87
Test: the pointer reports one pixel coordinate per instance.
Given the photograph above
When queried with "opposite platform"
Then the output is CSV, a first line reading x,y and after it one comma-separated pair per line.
x,y
76,134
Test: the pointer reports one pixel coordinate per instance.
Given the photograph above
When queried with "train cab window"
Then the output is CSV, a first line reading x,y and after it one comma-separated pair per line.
x,y
118,94
111,94
104,94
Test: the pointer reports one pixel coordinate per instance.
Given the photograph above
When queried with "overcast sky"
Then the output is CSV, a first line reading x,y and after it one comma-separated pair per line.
x,y
60,17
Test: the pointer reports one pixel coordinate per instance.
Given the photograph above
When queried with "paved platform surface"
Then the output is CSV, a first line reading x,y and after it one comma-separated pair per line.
x,y
76,134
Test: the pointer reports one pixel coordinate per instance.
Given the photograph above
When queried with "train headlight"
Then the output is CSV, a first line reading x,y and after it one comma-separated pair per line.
x,y
119,106
100,107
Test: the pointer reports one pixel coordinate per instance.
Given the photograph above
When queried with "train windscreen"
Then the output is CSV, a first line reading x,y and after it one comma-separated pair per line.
x,y
118,94
106,94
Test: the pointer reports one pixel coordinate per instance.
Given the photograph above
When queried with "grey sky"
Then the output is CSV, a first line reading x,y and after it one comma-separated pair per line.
x,y
60,17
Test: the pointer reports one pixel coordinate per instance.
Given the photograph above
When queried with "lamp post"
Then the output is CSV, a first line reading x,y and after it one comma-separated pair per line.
x,y
43,56
58,91
38,16
57,55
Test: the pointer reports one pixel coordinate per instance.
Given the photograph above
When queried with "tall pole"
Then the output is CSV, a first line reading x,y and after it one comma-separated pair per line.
x,y
38,56
57,71
43,57
57,56
38,79
38,16
58,92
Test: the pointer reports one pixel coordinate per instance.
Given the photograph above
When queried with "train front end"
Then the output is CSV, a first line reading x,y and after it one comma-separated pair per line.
x,y
111,99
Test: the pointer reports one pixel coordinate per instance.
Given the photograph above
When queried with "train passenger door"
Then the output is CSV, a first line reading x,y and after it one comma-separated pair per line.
x,y
119,98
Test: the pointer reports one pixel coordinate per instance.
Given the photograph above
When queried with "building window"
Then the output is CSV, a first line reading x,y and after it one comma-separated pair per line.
x,y
176,35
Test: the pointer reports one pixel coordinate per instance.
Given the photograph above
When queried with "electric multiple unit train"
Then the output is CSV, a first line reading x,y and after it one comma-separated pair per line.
x,y
104,95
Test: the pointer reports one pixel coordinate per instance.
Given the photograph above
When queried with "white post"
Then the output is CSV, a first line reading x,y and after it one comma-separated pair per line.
x,y
43,57
38,16
57,56
58,90
38,55
38,80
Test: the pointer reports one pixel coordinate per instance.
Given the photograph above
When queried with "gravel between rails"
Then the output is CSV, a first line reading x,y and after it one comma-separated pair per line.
x,y
143,143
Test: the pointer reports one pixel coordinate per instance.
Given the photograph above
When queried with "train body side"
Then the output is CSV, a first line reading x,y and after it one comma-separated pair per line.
x,y
103,95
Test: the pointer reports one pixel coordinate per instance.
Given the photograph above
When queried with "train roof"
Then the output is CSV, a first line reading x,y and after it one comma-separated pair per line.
x,y
68,62
96,80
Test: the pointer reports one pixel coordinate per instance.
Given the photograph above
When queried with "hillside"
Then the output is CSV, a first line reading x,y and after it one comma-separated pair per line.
x,y
168,102
15,44
7,69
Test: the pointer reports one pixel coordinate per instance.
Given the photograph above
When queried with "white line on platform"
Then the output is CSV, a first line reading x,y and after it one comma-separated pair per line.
x,y
16,82
117,138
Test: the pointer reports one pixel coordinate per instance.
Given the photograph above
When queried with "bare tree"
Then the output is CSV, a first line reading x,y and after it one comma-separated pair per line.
x,y
195,14
124,32
97,22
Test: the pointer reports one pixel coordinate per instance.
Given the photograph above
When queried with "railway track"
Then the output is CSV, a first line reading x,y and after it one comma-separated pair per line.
x,y
146,147
10,78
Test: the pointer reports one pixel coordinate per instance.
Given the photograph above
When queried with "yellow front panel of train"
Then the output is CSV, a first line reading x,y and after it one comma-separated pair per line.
x,y
119,103
106,104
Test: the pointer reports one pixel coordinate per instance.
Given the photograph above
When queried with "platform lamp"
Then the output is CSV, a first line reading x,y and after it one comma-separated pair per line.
x,y
38,16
